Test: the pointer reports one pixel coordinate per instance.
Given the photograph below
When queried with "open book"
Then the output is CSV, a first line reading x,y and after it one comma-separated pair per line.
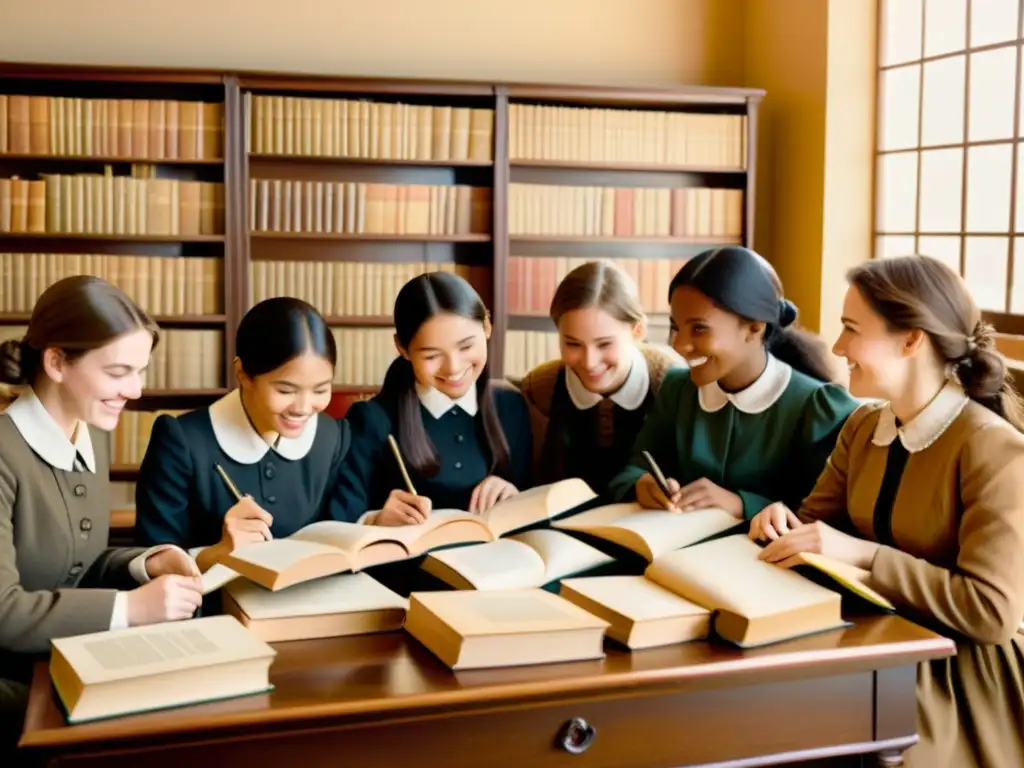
x,y
472,630
329,546
529,559
648,532
126,671
754,602
334,606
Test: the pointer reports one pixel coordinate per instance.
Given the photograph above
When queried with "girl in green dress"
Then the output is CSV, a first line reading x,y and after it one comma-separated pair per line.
x,y
754,417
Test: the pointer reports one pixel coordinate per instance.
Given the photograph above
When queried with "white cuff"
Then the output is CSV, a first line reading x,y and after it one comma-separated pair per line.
x,y
119,619
368,518
137,567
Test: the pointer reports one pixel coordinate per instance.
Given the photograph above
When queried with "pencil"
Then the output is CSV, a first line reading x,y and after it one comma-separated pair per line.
x,y
659,476
227,481
401,465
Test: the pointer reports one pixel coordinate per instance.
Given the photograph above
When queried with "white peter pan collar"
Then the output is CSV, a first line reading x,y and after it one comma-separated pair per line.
x,y
928,426
438,403
629,396
758,397
44,435
237,437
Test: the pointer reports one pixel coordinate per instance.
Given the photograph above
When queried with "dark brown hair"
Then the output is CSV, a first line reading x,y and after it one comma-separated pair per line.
x,y
919,292
742,282
598,284
420,299
75,315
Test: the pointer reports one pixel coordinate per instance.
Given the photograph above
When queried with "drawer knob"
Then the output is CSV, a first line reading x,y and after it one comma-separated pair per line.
x,y
576,736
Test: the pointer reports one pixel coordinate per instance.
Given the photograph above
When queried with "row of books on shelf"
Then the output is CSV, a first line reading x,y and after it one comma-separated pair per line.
x,y
549,209
101,203
161,285
291,205
360,128
525,350
638,136
130,438
532,281
532,581
149,129
350,288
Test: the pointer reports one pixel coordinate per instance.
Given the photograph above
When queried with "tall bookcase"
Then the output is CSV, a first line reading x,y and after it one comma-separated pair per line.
x,y
203,192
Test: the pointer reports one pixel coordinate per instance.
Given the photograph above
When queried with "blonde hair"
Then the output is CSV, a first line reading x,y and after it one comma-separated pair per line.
x,y
599,284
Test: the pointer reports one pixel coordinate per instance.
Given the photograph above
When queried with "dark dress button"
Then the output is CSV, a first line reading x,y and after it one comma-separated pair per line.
x,y
458,465
79,490
459,438
269,473
271,499
75,570
85,524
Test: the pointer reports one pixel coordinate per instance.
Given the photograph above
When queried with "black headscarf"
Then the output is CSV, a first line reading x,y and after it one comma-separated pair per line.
x,y
740,281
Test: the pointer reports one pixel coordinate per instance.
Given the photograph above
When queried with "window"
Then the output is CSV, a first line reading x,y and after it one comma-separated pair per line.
x,y
949,177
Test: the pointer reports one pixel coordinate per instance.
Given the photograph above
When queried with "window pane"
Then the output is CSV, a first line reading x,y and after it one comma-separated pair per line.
x,y
991,96
888,246
945,26
993,21
945,249
901,90
988,188
901,31
897,192
985,271
1019,213
943,111
941,180
1017,294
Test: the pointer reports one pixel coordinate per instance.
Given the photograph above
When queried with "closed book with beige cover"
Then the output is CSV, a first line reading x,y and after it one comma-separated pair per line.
x,y
640,613
754,602
528,559
330,546
334,606
649,532
127,671
473,629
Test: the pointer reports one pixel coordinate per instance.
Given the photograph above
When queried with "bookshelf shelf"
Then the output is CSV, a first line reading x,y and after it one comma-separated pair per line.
x,y
124,471
104,238
515,239
9,157
371,161
370,237
167,394
356,321
565,165
171,321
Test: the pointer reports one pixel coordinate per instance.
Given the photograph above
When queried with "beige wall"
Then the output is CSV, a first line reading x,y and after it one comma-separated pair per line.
x,y
599,41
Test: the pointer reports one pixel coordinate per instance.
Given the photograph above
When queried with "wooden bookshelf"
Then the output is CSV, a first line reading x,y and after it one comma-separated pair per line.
x,y
509,184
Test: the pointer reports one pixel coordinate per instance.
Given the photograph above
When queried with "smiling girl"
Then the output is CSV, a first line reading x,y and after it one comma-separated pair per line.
x,y
924,491
589,406
80,363
465,442
755,416
269,435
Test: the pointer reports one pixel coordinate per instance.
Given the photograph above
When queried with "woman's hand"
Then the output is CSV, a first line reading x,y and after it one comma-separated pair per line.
x,y
701,494
772,522
489,492
172,561
820,538
245,523
403,508
650,496
165,598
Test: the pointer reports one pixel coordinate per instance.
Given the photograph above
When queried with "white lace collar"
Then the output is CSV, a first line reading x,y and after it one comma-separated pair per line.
x,y
928,426
45,436
758,397
239,439
629,396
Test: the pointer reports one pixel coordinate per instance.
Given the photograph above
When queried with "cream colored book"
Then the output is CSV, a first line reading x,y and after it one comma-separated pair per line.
x,y
139,669
505,628
754,602
649,532
849,576
640,613
528,559
334,606
329,546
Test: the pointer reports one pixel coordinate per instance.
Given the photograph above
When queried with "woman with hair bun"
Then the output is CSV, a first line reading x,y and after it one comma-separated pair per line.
x,y
755,416
80,363
925,492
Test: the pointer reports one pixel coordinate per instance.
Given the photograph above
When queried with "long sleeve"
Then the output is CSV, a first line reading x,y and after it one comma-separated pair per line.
x,y
30,619
164,487
658,436
368,425
983,597
515,419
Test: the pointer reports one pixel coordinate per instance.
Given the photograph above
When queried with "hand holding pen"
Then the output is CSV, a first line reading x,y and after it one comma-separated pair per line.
x,y
654,490
246,522
403,507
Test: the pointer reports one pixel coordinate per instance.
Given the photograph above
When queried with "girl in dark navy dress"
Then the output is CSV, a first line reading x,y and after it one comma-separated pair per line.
x,y
465,440
269,435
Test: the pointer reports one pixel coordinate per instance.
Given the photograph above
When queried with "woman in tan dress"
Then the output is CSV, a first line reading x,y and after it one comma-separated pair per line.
x,y
925,490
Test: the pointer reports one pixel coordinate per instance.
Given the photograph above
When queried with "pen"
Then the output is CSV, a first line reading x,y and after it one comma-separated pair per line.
x,y
659,476
401,465
227,481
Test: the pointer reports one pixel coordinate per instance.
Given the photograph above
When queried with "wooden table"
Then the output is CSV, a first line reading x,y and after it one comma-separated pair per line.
x,y
384,700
